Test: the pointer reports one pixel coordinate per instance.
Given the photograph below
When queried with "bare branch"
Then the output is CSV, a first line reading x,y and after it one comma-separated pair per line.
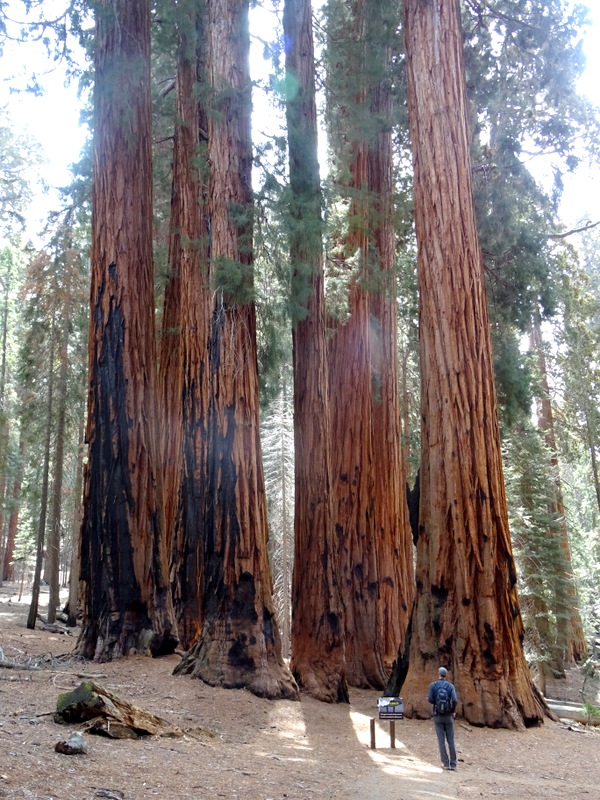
x,y
587,227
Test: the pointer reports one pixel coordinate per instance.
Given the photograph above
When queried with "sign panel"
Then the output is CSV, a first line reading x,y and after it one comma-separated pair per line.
x,y
390,707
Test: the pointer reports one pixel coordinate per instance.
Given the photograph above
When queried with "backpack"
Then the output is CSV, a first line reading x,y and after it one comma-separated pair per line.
x,y
443,699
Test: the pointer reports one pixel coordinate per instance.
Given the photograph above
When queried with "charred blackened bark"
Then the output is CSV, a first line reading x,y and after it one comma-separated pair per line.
x,y
186,322
466,614
126,596
318,662
239,642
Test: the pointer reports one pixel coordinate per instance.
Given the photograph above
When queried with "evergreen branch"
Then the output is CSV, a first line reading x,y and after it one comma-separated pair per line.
x,y
168,88
479,6
44,22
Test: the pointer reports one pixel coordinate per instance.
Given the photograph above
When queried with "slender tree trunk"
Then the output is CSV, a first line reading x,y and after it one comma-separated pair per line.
x,y
54,538
239,645
392,529
466,615
126,595
318,661
8,570
73,601
285,536
571,638
591,444
186,321
41,532
4,423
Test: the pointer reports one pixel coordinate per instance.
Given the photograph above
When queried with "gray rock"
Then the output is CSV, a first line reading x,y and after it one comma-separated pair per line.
x,y
74,745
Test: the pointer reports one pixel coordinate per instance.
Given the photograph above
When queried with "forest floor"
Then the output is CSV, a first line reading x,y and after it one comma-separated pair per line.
x,y
240,747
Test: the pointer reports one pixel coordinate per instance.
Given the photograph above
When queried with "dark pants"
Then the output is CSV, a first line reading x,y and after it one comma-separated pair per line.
x,y
444,728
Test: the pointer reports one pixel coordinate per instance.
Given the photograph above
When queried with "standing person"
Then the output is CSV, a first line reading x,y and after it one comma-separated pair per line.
x,y
442,696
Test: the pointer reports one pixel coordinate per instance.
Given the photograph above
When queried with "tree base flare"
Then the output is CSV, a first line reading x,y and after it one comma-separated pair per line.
x,y
320,682
218,663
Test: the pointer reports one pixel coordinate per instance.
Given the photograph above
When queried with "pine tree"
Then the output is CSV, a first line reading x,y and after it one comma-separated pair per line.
x,y
571,638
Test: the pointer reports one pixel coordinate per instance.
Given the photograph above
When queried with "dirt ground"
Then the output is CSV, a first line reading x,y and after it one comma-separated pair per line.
x,y
238,746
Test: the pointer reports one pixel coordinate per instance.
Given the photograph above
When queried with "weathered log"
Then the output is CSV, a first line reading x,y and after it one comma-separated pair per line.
x,y
8,664
574,711
108,715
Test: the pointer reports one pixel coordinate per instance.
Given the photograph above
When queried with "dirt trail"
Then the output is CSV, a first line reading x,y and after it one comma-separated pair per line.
x,y
240,747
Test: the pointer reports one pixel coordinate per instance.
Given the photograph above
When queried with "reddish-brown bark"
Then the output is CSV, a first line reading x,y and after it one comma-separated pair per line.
x,y
239,642
8,567
372,528
570,627
392,530
318,662
466,614
184,350
126,596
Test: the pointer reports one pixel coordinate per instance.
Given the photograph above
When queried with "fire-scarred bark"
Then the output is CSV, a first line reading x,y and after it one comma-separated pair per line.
x,y
126,597
239,642
184,345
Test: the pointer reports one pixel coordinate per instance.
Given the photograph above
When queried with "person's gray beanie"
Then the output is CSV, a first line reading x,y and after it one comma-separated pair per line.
x,y
443,671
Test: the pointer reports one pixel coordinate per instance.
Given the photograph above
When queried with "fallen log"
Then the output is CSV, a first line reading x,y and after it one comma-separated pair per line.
x,y
107,714
574,711
8,664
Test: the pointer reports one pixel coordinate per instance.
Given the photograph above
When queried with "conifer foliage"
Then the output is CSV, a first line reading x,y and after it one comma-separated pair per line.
x,y
174,542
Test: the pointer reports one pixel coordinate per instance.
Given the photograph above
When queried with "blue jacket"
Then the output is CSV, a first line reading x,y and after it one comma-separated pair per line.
x,y
433,692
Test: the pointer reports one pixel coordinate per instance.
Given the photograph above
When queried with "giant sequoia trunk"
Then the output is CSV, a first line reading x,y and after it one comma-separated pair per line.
x,y
239,642
374,543
392,529
352,463
466,614
318,662
126,597
571,638
184,351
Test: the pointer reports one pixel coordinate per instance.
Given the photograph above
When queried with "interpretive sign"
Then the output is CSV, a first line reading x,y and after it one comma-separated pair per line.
x,y
390,707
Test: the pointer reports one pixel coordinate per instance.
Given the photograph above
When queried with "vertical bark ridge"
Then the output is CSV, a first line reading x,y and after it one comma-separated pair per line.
x,y
127,604
392,530
466,613
318,661
239,644
186,322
